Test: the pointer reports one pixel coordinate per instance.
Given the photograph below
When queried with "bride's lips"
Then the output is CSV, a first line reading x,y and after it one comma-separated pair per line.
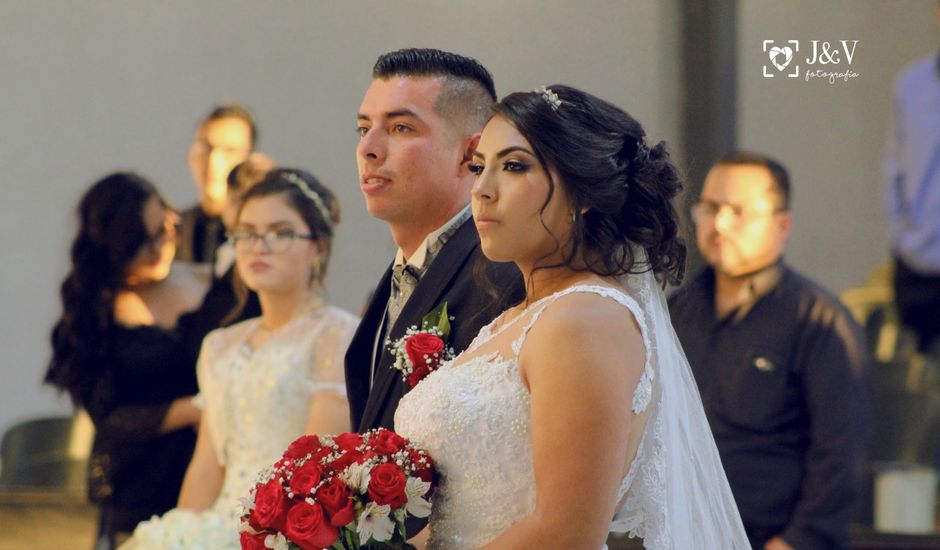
x,y
485,222
258,265
372,182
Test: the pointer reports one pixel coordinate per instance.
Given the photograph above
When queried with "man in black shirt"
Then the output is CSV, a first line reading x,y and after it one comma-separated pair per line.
x,y
780,363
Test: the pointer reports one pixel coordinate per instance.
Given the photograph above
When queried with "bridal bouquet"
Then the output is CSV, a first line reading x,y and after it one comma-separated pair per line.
x,y
341,492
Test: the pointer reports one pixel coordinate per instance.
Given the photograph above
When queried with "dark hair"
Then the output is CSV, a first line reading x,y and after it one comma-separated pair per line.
x,y
246,174
624,188
111,232
233,110
467,94
778,173
299,188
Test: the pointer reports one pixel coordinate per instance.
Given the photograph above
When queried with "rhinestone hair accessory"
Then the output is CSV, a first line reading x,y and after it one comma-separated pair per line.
x,y
310,193
549,96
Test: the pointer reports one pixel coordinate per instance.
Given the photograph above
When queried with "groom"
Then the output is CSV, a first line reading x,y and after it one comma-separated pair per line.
x,y
419,122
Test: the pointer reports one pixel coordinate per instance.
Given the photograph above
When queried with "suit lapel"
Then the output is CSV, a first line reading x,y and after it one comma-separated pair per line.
x,y
361,349
426,296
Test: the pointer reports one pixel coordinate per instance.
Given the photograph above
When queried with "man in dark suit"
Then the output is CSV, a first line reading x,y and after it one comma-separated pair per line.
x,y
419,122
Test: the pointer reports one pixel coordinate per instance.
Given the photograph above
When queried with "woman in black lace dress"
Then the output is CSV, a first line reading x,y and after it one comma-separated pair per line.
x,y
120,349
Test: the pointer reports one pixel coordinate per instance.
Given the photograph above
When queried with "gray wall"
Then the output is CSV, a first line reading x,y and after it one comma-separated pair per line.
x,y
90,87
830,136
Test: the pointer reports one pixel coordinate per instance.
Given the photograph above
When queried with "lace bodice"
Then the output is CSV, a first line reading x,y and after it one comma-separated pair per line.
x,y
472,415
256,402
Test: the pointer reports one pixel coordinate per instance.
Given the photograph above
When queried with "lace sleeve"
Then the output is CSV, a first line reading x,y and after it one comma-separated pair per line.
x,y
329,350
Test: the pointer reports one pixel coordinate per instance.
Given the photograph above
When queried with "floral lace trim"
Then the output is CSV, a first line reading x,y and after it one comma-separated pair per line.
x,y
643,514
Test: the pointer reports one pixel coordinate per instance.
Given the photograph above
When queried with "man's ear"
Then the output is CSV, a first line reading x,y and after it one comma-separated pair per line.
x,y
468,146
786,223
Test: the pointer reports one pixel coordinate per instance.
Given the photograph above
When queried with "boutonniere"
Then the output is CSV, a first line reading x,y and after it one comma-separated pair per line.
x,y
423,349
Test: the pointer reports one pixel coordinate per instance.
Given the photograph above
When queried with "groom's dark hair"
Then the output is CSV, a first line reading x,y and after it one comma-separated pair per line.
x,y
467,94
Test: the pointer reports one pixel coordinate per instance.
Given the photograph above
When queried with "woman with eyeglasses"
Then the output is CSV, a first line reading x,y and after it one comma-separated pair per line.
x,y
117,349
267,380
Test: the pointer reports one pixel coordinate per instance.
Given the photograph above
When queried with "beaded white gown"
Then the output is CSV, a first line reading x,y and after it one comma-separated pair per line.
x,y
256,403
472,415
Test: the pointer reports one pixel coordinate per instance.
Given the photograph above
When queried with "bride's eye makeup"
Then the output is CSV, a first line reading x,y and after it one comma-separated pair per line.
x,y
475,167
514,165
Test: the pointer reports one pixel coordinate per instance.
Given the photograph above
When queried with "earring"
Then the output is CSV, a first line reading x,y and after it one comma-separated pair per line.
x,y
571,217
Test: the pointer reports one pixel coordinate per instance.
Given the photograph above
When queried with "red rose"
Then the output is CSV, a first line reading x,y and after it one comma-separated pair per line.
x,y
305,478
347,458
386,442
308,528
252,542
425,350
387,485
417,375
284,464
348,441
302,446
422,463
335,498
270,507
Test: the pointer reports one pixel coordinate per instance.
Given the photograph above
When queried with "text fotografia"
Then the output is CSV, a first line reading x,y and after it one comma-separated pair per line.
x,y
832,77
827,61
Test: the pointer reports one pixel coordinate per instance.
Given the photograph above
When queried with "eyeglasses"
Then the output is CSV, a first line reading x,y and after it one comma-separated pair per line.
x,y
203,149
706,210
274,240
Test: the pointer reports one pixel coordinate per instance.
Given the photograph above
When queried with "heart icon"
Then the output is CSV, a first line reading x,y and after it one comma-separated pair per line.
x,y
776,53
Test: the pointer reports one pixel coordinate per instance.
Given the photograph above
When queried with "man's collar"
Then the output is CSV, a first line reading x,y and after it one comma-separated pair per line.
x,y
758,284
420,257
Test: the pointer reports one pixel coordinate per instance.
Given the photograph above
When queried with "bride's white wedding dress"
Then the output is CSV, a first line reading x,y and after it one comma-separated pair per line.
x,y
472,416
256,403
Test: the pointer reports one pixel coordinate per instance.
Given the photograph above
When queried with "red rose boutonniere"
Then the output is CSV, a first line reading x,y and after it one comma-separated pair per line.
x,y
422,350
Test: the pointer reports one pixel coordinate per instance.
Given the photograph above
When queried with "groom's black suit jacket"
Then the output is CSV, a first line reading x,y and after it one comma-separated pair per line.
x,y
449,278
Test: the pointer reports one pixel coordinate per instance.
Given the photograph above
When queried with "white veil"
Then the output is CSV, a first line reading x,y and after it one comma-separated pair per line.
x,y
679,497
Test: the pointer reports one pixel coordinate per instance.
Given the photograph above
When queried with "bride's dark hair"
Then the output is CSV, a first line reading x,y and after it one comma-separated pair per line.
x,y
621,190
111,231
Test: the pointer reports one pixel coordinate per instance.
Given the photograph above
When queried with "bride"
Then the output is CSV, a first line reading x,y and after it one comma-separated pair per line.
x,y
574,413
268,380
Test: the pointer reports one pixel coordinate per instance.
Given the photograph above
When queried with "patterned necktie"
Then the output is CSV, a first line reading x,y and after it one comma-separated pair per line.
x,y
404,281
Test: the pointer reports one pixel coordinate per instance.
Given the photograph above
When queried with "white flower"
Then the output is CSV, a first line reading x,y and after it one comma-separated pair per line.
x,y
374,523
247,504
186,530
417,505
357,477
276,542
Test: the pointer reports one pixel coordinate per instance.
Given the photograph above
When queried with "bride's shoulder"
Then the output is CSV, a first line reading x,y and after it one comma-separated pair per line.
x,y
586,315
593,308
587,329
